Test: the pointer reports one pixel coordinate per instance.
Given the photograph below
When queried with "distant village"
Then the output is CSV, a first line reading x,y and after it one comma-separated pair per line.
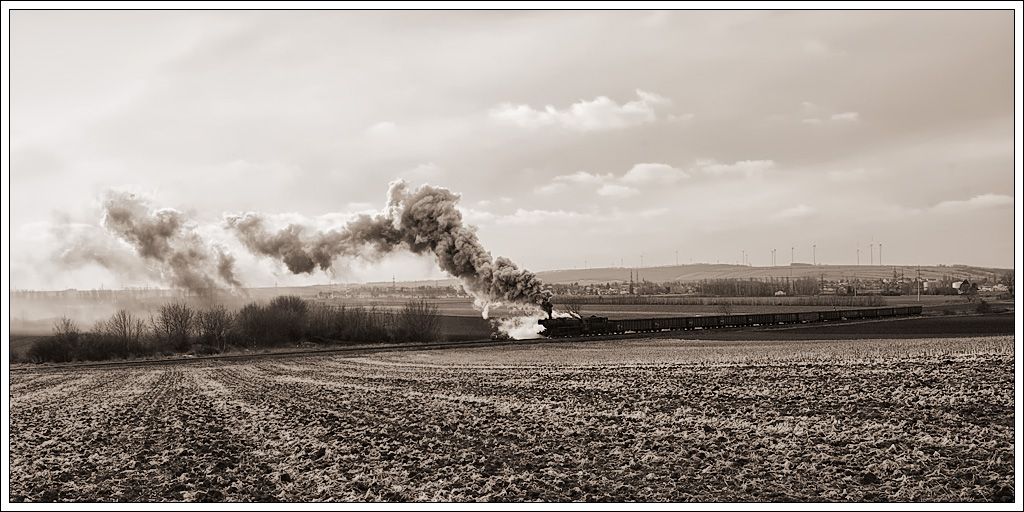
x,y
753,287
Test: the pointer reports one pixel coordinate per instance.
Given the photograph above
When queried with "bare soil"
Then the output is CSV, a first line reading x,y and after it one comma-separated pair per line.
x,y
655,420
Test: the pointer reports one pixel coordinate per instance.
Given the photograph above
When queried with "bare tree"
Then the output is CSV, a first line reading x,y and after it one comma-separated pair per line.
x,y
125,329
176,323
1008,280
573,305
969,290
65,330
212,326
725,307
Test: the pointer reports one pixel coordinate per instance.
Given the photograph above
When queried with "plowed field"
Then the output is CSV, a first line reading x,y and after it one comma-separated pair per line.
x,y
625,420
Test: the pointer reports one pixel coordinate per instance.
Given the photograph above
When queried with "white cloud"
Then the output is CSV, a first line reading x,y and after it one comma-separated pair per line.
x,y
974,203
678,118
522,216
382,128
584,177
423,172
800,210
654,173
325,221
657,18
563,218
811,121
475,217
359,206
749,168
601,113
612,190
639,174
848,175
815,47
244,169
550,188
821,48
846,116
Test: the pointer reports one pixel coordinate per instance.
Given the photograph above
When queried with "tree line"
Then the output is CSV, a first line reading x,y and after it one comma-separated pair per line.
x,y
177,328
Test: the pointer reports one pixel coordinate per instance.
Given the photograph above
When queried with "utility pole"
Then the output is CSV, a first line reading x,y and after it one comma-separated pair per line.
x,y
814,253
791,252
879,253
677,258
919,283
858,255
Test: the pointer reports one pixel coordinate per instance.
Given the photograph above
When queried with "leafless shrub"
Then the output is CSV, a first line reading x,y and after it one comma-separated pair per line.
x,y
287,315
66,331
59,348
417,321
251,326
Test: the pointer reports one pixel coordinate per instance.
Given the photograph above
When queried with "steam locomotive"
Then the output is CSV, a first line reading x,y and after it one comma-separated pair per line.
x,y
600,325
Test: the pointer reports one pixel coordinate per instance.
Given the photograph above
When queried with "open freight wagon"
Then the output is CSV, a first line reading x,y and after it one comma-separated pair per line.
x,y
599,325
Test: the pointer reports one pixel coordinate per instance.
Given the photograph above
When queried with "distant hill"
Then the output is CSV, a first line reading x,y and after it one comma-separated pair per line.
x,y
674,273
697,272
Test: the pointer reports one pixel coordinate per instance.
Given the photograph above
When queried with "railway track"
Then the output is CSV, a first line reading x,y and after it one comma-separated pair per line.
x,y
289,353
356,350
331,351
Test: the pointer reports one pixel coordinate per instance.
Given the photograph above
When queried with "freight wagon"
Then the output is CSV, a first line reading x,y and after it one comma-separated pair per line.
x,y
600,325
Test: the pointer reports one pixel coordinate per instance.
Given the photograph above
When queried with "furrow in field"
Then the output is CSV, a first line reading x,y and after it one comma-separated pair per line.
x,y
850,426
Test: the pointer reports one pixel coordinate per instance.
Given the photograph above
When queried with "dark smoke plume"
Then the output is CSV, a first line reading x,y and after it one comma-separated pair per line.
x,y
167,240
423,220
226,268
83,244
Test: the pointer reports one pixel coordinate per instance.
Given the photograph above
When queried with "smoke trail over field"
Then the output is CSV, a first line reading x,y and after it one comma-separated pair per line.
x,y
164,238
423,220
81,244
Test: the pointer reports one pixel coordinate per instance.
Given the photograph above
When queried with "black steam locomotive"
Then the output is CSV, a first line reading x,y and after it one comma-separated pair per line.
x,y
600,325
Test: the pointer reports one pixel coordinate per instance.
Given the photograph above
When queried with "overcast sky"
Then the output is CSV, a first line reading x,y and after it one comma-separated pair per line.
x,y
575,138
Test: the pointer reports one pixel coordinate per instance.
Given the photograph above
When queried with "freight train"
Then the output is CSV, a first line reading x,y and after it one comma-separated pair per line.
x,y
600,325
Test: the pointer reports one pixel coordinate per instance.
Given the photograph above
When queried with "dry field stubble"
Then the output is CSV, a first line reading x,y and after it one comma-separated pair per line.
x,y
640,420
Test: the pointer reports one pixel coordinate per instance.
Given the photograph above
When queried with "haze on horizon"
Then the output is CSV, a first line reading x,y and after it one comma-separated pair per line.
x,y
575,138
